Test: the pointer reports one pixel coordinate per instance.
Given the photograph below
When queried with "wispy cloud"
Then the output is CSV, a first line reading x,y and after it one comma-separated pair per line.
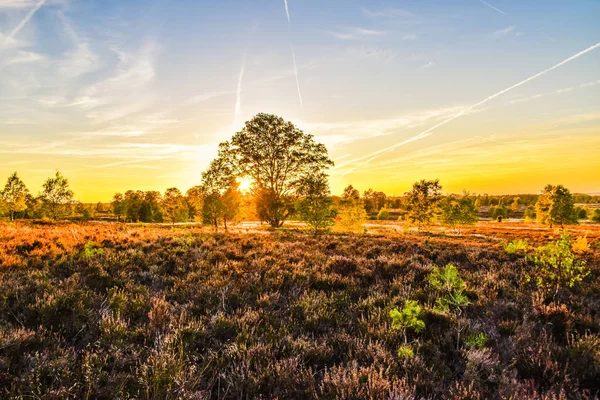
x,y
356,33
387,13
557,91
382,54
504,32
21,25
238,98
492,7
372,156
297,80
429,64
287,10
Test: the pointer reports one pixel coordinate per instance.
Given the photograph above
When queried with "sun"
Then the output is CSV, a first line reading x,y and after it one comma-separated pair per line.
x,y
245,185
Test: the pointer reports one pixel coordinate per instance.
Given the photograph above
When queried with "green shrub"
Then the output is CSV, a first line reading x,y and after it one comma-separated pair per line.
x,y
557,267
477,340
516,246
383,214
408,318
405,352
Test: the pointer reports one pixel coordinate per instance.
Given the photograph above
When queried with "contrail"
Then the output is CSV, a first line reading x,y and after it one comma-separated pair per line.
x,y
297,81
491,6
21,24
426,133
238,100
287,10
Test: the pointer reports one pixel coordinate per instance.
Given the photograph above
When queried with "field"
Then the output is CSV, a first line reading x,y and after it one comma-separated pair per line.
x,y
111,311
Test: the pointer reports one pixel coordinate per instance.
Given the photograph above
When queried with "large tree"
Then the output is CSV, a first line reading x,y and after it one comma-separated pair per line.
x,y
274,154
57,197
555,206
14,195
422,201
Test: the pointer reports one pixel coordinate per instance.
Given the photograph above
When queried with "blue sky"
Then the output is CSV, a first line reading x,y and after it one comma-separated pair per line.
x,y
137,94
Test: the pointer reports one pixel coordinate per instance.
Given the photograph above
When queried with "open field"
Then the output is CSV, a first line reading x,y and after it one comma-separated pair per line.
x,y
132,311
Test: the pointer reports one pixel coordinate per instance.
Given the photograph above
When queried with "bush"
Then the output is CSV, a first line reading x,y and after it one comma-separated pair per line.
x,y
383,214
516,246
557,267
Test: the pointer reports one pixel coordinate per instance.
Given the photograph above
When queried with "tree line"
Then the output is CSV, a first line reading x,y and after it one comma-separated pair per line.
x,y
288,171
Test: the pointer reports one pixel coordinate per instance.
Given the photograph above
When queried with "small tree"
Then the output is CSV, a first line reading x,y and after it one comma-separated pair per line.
x,y
118,205
174,206
555,206
450,293
132,204
350,195
195,198
314,207
14,195
557,266
57,197
222,197
422,201
408,318
457,211
351,215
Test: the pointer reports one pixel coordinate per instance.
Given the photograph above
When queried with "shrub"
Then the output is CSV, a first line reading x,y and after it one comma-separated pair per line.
x,y
383,214
477,340
405,352
516,246
408,318
557,267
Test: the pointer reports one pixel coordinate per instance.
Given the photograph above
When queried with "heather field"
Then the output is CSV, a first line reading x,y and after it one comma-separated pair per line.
x,y
113,311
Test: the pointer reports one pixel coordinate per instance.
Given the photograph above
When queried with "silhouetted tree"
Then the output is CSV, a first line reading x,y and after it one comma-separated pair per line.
x,y
275,154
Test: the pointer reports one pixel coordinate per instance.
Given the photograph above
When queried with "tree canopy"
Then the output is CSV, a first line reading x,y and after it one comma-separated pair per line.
x,y
275,154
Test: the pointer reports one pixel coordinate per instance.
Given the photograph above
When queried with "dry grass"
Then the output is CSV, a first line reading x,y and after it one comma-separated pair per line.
x,y
122,311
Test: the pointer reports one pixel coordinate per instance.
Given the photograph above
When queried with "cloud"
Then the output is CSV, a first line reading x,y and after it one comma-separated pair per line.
x,y
356,33
22,57
18,4
492,7
287,10
381,54
21,25
429,64
557,91
335,133
387,13
374,155
238,97
509,30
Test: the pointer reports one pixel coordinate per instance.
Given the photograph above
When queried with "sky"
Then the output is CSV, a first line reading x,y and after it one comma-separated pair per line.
x,y
498,96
